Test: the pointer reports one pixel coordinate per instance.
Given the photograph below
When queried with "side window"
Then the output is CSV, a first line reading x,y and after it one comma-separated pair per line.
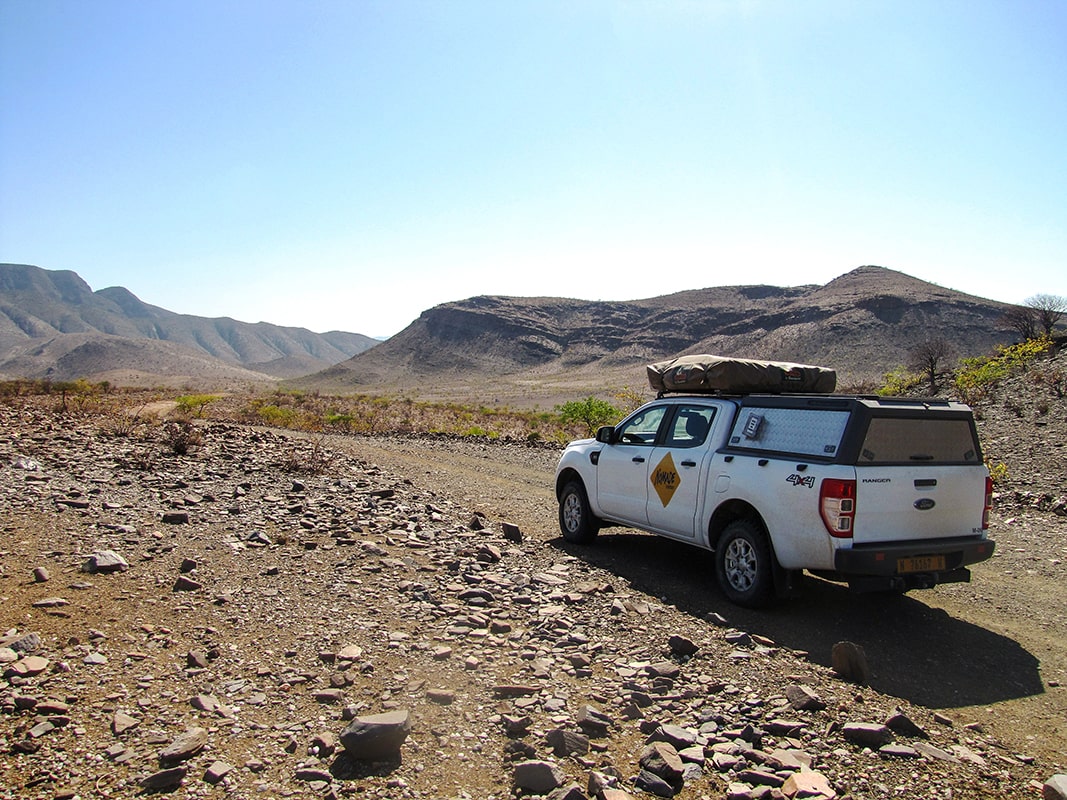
x,y
642,427
690,427
799,431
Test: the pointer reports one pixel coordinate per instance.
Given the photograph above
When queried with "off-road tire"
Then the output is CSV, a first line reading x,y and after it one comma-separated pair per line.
x,y
576,521
744,565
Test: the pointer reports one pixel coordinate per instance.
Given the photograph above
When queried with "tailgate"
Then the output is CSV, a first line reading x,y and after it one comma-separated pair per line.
x,y
901,503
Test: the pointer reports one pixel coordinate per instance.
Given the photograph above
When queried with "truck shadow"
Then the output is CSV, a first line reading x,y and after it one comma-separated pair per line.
x,y
917,653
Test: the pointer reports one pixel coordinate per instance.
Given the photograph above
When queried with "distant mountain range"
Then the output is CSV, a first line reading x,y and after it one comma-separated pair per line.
x,y
53,325
862,324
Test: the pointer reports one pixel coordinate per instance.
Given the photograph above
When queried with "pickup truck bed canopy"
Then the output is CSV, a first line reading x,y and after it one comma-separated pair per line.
x,y
709,373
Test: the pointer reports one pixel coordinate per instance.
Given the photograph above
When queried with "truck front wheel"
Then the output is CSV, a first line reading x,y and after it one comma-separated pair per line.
x,y
743,564
576,521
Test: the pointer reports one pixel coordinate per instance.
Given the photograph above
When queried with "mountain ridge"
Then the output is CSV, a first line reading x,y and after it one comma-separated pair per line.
x,y
861,323
45,307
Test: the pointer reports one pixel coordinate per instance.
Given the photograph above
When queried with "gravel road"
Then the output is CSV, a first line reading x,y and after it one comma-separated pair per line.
x,y
273,589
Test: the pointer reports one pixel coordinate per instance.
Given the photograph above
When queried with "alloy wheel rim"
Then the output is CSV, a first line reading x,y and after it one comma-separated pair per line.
x,y
740,564
572,512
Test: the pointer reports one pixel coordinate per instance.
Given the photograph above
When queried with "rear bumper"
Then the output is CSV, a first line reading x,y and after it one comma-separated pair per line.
x,y
881,559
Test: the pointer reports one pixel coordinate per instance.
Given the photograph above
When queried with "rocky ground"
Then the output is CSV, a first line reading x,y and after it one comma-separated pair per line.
x,y
213,623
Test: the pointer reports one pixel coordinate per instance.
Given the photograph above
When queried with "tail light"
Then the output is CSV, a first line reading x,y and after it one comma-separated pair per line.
x,y
837,506
988,502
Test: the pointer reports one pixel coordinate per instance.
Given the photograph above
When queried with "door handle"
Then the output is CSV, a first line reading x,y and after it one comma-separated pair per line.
x,y
689,463
639,459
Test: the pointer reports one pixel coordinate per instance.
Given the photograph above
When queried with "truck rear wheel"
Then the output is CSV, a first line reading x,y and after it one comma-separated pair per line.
x,y
576,521
744,564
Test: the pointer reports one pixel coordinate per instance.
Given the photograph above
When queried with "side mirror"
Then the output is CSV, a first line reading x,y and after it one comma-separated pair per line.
x,y
606,435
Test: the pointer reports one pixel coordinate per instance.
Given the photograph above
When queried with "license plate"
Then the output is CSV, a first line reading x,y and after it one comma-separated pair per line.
x,y
921,564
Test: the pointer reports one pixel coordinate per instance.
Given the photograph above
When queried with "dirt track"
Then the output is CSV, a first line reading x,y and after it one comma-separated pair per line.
x,y
994,652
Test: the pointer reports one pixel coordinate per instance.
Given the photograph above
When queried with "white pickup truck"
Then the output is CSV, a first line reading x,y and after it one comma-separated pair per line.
x,y
884,494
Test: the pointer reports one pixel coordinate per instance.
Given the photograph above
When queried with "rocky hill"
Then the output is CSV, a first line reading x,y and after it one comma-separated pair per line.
x,y
52,324
862,324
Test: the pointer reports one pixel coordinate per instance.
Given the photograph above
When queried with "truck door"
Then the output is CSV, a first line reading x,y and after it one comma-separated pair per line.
x,y
676,472
622,471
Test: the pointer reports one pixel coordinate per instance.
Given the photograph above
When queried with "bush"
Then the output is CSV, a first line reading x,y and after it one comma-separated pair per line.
x,y
280,416
590,412
977,376
997,471
188,403
899,382
181,437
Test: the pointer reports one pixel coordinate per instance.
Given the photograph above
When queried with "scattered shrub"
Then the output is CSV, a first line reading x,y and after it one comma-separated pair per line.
x,y
590,413
181,436
977,376
188,403
898,383
280,416
997,471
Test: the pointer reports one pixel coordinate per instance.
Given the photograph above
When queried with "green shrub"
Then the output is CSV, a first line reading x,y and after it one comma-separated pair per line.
x,y
997,471
340,420
899,382
590,412
281,416
188,403
977,376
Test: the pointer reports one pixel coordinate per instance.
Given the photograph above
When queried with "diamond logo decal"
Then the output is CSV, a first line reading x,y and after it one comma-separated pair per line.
x,y
665,479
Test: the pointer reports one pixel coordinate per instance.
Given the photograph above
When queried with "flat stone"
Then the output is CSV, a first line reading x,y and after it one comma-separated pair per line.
x,y
24,644
1055,788
901,724
27,667
217,771
537,777
515,690
329,696
676,736
566,742
682,646
898,751
164,779
803,698
184,747
187,584
443,697
377,737
313,774
867,734
850,662
120,723
653,784
105,562
808,784
931,751
51,602
662,760
350,652
593,721
511,532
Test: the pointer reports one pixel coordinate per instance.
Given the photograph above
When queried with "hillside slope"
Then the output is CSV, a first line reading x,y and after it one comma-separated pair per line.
x,y
862,324
40,309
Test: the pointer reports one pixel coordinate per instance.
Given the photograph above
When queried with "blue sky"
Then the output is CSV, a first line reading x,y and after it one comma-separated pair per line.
x,y
347,165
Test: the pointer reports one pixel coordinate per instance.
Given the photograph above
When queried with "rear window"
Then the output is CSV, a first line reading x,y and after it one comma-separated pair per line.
x,y
896,440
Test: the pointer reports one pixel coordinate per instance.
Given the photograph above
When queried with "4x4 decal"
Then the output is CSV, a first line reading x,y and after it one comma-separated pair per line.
x,y
801,480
